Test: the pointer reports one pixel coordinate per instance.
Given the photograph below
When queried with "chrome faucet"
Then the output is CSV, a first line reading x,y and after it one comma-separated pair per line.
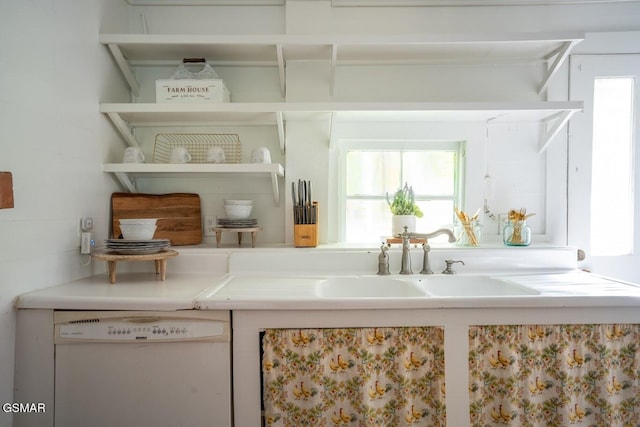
x,y
405,266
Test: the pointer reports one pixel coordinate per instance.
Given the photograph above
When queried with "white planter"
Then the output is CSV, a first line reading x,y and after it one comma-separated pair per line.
x,y
399,221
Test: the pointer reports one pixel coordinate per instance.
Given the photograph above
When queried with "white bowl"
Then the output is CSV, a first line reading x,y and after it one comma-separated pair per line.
x,y
238,211
238,202
137,231
139,221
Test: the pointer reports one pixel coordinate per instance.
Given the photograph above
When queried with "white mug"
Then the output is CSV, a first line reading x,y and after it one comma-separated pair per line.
x,y
260,155
215,155
133,155
179,155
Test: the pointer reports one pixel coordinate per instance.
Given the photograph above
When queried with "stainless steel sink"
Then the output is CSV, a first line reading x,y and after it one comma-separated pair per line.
x,y
470,286
368,287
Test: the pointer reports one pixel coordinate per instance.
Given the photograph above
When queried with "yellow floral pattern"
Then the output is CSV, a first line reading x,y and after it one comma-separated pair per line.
x,y
555,375
354,377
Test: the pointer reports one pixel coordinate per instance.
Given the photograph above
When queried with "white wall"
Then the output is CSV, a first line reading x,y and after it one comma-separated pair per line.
x,y
505,150
53,73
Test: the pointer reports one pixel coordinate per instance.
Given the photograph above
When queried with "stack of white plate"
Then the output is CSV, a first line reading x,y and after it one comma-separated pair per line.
x,y
237,223
137,247
238,209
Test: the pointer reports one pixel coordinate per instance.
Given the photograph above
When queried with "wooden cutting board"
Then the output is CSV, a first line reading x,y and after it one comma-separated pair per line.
x,y
178,215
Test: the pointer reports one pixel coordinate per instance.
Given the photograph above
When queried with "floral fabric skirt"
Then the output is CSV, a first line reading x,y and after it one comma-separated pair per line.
x,y
354,377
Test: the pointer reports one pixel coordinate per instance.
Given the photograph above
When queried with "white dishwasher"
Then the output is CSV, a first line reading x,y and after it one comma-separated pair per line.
x,y
142,368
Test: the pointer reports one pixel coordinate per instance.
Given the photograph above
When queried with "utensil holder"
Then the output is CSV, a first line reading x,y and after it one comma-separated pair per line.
x,y
467,233
516,233
306,235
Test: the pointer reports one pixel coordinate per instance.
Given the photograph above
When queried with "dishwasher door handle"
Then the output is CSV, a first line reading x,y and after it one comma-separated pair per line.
x,y
141,319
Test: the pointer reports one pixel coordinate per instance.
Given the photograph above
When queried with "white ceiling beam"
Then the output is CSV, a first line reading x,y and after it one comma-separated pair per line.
x,y
206,2
427,3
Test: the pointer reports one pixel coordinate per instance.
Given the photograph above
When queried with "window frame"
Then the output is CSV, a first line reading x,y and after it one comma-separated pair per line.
x,y
399,145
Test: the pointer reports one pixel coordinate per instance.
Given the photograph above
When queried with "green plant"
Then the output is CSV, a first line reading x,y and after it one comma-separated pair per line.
x,y
404,202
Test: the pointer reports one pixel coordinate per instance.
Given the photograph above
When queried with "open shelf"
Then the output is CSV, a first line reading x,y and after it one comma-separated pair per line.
x,y
128,115
140,50
342,49
128,172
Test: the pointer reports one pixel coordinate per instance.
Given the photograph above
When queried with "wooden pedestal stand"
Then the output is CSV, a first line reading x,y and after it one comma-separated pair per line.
x,y
112,258
252,230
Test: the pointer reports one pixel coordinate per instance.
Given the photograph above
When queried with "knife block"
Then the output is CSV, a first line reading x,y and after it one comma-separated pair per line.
x,y
306,235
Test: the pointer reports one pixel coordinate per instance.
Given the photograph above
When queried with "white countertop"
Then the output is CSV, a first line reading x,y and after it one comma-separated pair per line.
x,y
132,291
182,291
288,279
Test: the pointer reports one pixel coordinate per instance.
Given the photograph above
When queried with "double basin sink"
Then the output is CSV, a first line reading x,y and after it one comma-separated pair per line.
x,y
415,287
419,286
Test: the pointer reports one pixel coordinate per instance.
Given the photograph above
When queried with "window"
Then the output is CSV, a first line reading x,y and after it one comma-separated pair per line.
x,y
374,168
612,166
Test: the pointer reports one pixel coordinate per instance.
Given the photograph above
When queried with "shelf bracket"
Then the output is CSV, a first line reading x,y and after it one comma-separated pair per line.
x,y
276,190
334,64
127,183
124,68
332,130
124,129
281,70
559,120
561,55
281,134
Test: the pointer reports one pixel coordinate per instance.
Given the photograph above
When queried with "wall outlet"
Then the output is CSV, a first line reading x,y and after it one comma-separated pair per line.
x,y
86,242
86,224
209,225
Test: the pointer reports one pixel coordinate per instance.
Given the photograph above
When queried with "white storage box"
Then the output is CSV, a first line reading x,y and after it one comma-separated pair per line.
x,y
191,91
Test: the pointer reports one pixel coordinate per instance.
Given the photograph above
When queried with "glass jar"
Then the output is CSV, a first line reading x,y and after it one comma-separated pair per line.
x,y
467,233
516,233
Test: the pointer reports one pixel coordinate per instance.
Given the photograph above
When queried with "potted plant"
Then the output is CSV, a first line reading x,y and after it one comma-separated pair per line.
x,y
404,210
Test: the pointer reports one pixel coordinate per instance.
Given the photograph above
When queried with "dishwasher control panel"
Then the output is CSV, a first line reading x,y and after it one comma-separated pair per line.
x,y
140,330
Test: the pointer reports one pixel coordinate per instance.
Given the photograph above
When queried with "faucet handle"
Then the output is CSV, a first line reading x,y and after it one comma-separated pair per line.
x,y
404,234
383,260
449,263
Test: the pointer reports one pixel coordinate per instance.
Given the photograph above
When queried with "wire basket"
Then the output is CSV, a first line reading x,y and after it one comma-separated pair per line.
x,y
197,144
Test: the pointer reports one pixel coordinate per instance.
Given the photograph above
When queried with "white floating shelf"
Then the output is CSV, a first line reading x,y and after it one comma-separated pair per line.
x,y
128,172
151,114
342,49
127,115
